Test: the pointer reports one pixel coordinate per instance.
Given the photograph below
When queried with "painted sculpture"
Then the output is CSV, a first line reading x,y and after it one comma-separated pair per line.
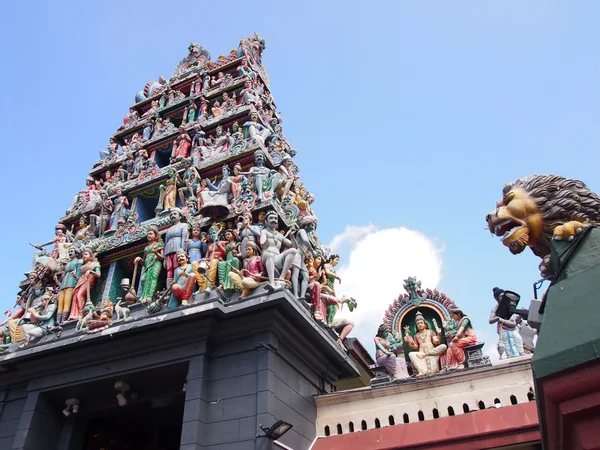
x,y
202,161
385,346
510,342
427,347
538,208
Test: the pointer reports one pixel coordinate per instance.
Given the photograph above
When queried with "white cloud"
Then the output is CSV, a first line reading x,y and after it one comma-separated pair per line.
x,y
378,262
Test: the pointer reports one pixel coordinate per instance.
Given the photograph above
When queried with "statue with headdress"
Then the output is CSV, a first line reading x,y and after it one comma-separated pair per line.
x,y
427,346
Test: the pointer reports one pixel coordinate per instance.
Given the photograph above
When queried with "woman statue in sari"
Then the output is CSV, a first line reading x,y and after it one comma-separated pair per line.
x,y
385,355
152,262
90,272
196,246
455,356
231,260
427,345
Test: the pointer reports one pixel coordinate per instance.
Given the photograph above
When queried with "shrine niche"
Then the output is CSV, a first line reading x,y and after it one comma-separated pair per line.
x,y
428,334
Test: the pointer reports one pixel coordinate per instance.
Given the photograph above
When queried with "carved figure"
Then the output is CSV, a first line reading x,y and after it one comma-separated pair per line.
x,y
510,342
60,240
121,208
427,345
181,146
183,283
255,129
72,271
196,247
385,355
41,321
90,272
231,262
264,179
538,208
122,311
273,258
464,336
174,240
251,275
216,252
192,111
152,262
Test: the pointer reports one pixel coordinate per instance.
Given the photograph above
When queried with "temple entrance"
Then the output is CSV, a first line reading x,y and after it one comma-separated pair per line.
x,y
137,427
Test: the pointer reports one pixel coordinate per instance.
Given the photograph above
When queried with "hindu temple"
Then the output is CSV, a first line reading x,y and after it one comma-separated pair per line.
x,y
185,301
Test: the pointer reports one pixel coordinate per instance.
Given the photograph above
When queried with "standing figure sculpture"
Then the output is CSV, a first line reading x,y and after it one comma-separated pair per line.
x,y
90,272
120,210
465,336
510,341
152,262
181,146
196,246
60,243
248,233
271,242
427,347
175,238
385,355
72,272
215,253
232,261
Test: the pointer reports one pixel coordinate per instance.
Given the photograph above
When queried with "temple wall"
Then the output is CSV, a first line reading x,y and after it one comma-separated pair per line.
x,y
509,382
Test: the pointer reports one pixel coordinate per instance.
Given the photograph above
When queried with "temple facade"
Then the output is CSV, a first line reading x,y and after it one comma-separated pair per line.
x,y
186,302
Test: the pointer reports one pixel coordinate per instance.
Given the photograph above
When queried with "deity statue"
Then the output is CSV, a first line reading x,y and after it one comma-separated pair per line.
x,y
249,96
154,106
192,111
152,262
286,175
90,272
170,187
427,347
183,283
215,253
264,179
246,71
385,355
100,221
174,241
220,142
147,131
206,83
251,275
271,242
82,234
341,326
216,109
60,243
111,151
121,208
203,109
247,232
196,247
72,271
228,105
510,341
464,336
255,129
181,146
41,320
260,223
231,262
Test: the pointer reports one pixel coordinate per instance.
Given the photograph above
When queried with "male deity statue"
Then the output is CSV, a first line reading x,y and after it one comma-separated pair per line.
x,y
427,347
41,321
510,341
174,240
255,129
183,285
265,180
271,242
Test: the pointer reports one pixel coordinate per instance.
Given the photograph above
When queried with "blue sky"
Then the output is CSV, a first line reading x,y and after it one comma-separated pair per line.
x,y
403,115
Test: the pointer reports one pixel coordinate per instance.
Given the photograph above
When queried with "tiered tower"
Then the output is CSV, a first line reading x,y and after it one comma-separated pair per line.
x,y
193,250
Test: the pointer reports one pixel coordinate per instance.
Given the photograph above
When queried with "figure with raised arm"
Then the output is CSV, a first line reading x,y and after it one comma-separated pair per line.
x,y
427,347
385,355
510,341
153,264
271,242
183,283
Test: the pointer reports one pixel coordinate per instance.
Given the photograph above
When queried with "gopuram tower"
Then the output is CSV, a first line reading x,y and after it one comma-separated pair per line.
x,y
185,300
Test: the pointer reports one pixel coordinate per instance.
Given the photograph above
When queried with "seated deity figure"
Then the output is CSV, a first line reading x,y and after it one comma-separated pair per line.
x,y
265,180
463,337
249,95
183,283
385,355
228,105
255,129
41,320
250,276
510,342
220,141
427,345
271,242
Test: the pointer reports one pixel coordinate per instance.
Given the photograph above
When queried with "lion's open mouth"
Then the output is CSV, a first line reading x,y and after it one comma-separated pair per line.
x,y
506,228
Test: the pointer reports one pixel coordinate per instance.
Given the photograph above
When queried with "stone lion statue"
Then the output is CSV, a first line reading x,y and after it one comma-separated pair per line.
x,y
538,208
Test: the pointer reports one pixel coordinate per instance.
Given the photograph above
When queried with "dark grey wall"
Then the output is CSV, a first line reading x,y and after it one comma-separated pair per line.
x,y
243,371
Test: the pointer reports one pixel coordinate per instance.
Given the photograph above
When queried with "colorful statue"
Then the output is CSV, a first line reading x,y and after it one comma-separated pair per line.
x,y
271,242
231,262
249,96
264,179
510,341
427,347
152,262
527,334
41,320
192,111
121,208
385,355
196,247
464,336
256,130
251,275
72,271
216,252
538,208
183,283
174,240
181,146
342,327
248,233
60,243
90,272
